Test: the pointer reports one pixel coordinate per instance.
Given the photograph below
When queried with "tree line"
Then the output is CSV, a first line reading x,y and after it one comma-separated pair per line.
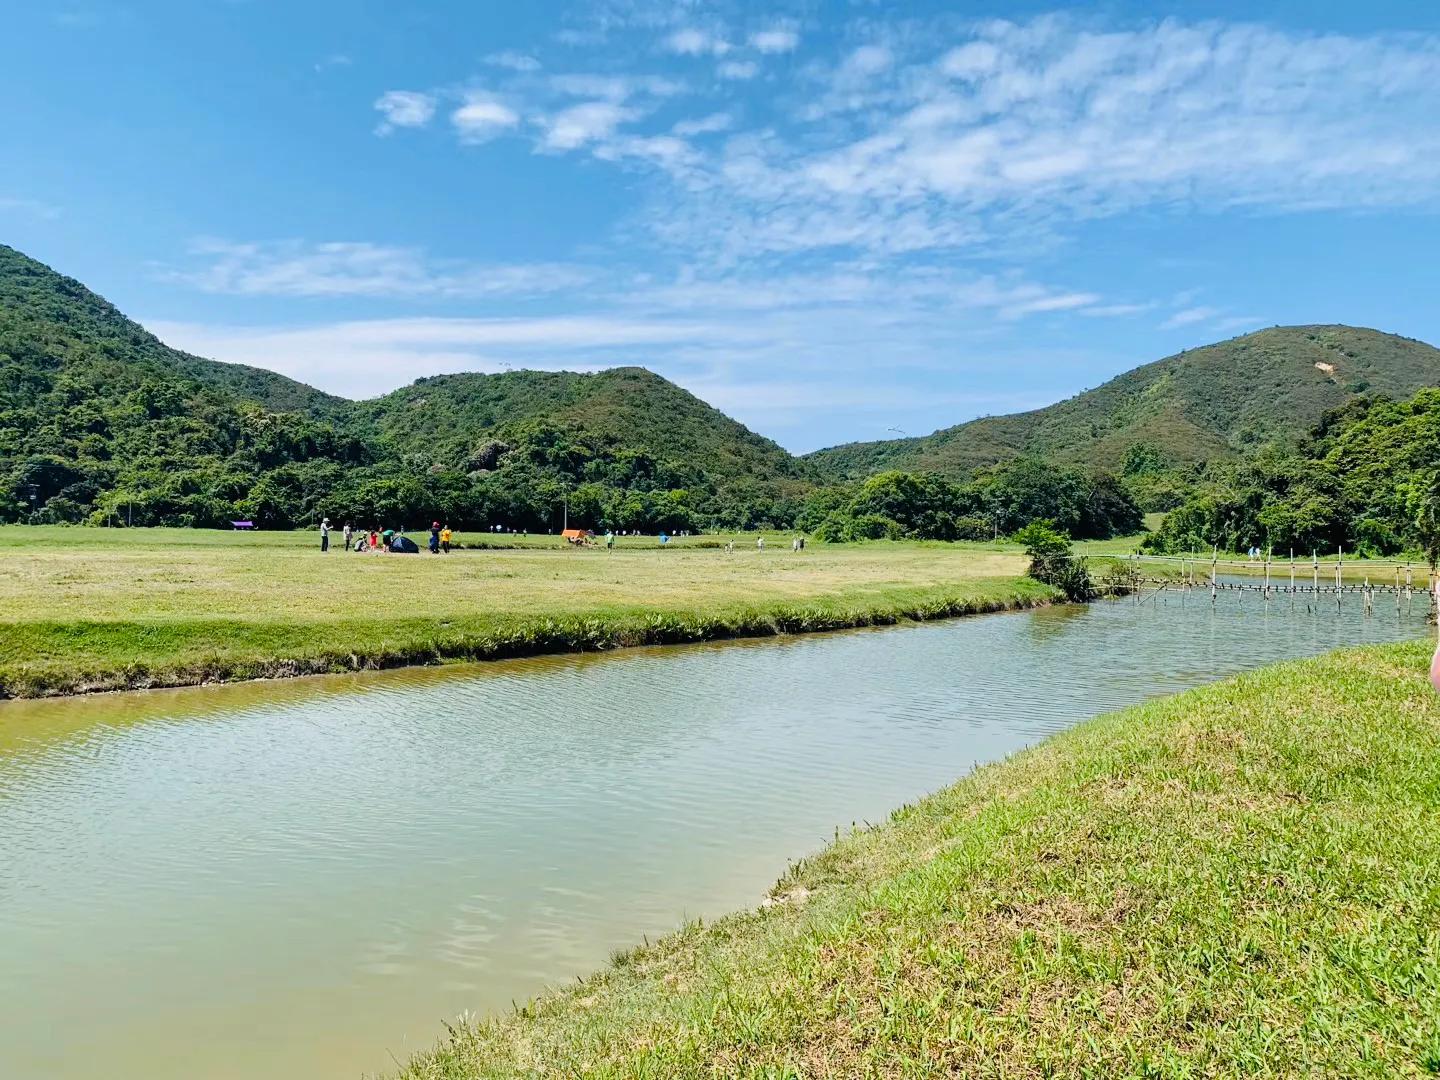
x,y
1367,479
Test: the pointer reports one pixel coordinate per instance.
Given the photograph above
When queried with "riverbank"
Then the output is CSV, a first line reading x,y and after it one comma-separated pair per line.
x,y
1241,880
86,610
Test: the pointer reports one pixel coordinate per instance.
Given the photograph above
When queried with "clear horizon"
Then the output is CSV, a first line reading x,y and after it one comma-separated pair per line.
x,y
832,221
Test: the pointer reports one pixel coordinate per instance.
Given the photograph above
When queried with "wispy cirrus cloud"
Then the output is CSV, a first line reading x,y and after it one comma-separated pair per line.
x,y
403,109
28,207
580,125
737,70
694,42
778,39
881,195
513,61
1190,316
362,358
977,132
483,117
353,269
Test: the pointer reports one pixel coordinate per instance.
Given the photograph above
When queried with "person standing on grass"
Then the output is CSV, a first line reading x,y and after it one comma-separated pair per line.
x,y
759,543
349,534
445,535
435,538
1435,660
374,540
609,540
325,534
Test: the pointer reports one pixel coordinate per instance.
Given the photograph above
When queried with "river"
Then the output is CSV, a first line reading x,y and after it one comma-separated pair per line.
x,y
303,879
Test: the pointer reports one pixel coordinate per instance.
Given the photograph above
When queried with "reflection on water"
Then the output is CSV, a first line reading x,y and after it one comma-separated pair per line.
x,y
300,879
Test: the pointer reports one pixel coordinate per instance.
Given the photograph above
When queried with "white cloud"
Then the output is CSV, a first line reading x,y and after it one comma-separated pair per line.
x,y
403,109
578,125
363,269
667,151
1043,304
780,40
1106,311
1239,322
1190,316
482,118
737,70
693,42
513,61
1007,133
869,60
28,207
705,125
368,357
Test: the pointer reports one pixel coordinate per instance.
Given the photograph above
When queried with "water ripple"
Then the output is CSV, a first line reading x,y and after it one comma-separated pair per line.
x,y
341,863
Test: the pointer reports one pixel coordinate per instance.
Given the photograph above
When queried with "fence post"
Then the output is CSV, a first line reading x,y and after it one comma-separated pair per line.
x,y
1339,575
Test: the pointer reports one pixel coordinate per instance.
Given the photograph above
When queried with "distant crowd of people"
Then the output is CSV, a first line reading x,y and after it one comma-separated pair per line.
x,y
379,540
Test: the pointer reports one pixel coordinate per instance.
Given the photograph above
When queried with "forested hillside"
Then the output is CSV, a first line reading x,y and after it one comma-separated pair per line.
x,y
624,429
100,421
1210,404
1367,481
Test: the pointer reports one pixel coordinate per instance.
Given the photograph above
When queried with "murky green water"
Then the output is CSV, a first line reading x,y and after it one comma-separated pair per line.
x,y
303,879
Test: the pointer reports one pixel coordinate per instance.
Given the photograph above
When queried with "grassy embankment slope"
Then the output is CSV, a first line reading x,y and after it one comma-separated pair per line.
x,y
1240,881
94,609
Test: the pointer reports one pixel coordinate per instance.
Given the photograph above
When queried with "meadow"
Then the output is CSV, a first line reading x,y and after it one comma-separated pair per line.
x,y
96,609
1239,881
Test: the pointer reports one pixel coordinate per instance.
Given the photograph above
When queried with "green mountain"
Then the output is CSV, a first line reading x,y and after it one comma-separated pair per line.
x,y
97,416
1212,403
100,420
81,329
621,414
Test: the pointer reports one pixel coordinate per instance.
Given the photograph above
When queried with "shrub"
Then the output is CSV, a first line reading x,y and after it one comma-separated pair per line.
x,y
1053,560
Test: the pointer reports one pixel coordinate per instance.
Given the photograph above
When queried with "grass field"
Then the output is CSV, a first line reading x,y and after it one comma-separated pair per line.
x,y
88,609
1241,881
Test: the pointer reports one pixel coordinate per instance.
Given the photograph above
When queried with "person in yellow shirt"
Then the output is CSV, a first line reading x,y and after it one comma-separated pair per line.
x,y
445,535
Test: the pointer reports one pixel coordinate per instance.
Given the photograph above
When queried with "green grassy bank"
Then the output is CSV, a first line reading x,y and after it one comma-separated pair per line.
x,y
1239,881
106,609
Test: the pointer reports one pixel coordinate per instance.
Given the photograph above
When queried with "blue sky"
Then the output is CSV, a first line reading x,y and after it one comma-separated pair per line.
x,y
833,220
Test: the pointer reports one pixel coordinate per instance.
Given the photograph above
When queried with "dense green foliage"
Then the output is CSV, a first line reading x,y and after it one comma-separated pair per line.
x,y
1215,403
1368,480
100,421
97,417
898,505
628,448
1054,562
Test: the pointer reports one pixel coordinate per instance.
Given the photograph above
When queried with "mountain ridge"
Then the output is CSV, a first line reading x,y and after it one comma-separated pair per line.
x,y
1200,404
94,408
96,412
